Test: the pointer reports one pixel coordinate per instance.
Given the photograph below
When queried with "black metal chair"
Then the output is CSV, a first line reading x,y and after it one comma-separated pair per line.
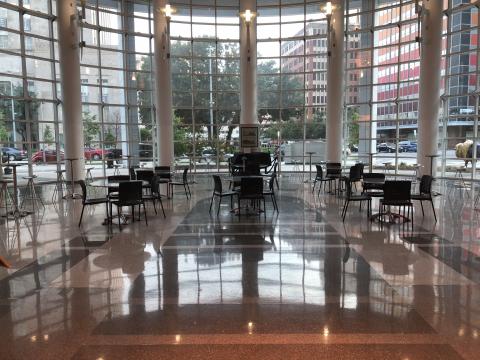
x,y
271,191
273,172
92,201
350,196
373,183
396,193
334,173
112,193
154,194
320,178
354,175
425,193
251,188
164,176
183,183
130,194
146,176
218,191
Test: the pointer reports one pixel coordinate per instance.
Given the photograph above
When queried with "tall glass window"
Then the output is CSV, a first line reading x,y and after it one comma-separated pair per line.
x,y
205,53
291,68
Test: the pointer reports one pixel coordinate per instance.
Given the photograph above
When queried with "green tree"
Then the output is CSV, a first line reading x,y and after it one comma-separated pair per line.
x,y
353,127
109,139
19,108
48,135
91,128
4,134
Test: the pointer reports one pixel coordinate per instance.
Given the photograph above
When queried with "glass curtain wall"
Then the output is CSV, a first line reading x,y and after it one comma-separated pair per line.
x,y
205,60
291,70
29,87
381,119
460,103
381,77
117,83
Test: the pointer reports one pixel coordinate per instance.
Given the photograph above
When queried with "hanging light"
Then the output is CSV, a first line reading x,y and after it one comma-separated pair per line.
x,y
328,8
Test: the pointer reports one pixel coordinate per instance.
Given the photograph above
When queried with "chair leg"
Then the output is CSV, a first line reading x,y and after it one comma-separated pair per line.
x,y
119,213
433,209
81,216
211,203
421,204
219,202
314,183
154,207
345,209
144,213
161,204
276,182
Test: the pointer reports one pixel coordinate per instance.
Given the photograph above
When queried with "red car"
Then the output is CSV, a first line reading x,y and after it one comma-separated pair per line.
x,y
92,153
47,156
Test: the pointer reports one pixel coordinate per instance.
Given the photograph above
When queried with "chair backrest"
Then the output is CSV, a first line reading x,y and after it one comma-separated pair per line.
x,y
252,169
251,186
397,190
146,175
131,171
426,184
319,171
348,187
129,191
361,167
380,176
217,184
184,175
271,182
115,178
154,185
356,172
84,190
163,172
334,168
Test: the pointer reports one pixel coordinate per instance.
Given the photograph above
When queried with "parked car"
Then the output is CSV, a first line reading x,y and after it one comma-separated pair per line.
x,y
386,148
47,156
14,154
208,154
92,153
145,151
407,146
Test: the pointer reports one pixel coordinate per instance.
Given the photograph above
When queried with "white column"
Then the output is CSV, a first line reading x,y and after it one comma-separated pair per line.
x,y
335,83
248,65
429,95
163,103
68,45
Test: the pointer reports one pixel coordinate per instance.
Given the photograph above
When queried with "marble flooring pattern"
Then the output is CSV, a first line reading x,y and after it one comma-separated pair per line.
x,y
297,284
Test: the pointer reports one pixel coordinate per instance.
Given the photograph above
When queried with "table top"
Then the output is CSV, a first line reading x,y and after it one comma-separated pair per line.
x,y
12,165
71,159
435,155
111,184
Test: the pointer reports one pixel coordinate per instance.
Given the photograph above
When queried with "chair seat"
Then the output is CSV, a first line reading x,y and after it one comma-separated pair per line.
x,y
420,197
396,202
359,197
176,182
226,193
256,196
127,203
96,201
375,193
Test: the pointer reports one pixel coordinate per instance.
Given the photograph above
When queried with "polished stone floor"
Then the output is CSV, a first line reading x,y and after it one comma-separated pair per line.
x,y
296,284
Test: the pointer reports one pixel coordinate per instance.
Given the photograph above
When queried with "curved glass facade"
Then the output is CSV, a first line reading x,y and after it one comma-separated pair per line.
x,y
381,83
